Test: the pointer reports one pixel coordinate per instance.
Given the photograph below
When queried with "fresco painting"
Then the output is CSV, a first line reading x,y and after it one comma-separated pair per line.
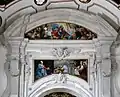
x,y
60,31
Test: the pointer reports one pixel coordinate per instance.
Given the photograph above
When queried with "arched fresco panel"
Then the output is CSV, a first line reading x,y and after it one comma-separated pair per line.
x,y
60,31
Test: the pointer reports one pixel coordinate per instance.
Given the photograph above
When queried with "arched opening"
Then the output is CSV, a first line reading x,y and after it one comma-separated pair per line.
x,y
59,94
67,84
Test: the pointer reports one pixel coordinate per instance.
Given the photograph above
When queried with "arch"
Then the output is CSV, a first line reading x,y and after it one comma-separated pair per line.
x,y
91,21
72,85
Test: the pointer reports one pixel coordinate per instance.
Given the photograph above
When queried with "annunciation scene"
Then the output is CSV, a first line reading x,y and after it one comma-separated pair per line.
x,y
43,68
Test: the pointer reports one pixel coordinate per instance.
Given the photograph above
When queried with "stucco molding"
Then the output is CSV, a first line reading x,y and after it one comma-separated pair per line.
x,y
78,17
18,27
7,46
73,84
107,8
115,50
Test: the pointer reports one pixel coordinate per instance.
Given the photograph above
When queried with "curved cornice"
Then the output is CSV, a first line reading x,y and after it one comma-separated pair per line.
x,y
28,7
91,21
72,84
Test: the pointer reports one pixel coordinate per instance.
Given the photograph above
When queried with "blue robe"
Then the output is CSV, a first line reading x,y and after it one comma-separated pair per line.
x,y
40,71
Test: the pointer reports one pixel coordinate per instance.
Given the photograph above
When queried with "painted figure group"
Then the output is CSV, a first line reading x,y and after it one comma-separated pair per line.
x,y
61,69
80,69
61,31
43,71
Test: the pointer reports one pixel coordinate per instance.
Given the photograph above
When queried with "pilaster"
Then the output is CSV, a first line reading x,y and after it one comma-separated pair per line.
x,y
15,66
103,65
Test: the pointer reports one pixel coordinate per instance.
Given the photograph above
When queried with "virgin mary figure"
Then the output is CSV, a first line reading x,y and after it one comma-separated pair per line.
x,y
41,70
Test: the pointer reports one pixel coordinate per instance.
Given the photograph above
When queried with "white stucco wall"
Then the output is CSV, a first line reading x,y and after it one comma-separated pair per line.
x,y
116,81
3,80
